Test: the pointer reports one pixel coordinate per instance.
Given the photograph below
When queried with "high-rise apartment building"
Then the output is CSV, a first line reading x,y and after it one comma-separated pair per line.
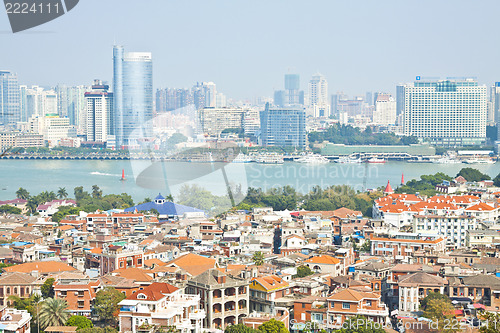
x,y
446,112
71,104
284,126
214,120
318,96
133,95
385,110
292,87
99,110
10,105
495,99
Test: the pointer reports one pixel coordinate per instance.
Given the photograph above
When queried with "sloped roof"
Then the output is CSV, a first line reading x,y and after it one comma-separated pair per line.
x,y
480,207
323,259
133,273
421,278
352,295
16,278
154,292
193,264
44,267
209,278
271,282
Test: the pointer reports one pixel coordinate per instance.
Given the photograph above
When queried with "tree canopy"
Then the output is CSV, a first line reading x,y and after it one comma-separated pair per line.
x,y
473,175
80,322
349,135
273,326
106,303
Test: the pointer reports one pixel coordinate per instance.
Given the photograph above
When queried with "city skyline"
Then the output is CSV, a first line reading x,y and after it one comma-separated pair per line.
x,y
355,62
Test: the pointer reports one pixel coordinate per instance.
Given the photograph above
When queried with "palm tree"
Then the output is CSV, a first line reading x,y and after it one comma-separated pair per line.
x,y
61,193
53,312
258,258
22,193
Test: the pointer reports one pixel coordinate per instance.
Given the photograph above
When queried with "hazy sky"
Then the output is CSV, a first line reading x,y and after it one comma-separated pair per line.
x,y
246,47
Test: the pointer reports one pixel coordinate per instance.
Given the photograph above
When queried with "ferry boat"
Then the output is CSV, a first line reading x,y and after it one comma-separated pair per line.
x,y
446,160
313,159
349,160
242,158
270,159
479,161
376,160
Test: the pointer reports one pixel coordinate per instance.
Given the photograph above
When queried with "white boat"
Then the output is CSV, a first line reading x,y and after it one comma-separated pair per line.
x,y
269,159
313,159
242,158
479,161
349,160
446,160
376,160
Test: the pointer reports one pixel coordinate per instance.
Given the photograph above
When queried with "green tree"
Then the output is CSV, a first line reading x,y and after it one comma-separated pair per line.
x,y
303,271
240,328
47,288
490,322
367,246
258,258
96,192
61,193
439,309
496,181
22,193
10,210
359,324
53,312
106,304
97,330
273,326
473,175
80,322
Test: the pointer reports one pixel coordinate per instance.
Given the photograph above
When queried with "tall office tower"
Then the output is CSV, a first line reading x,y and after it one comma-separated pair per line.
x,y
23,106
385,110
496,102
279,98
400,100
71,104
220,100
446,112
50,103
318,96
284,126
369,98
215,120
210,94
10,106
99,110
161,100
133,95
198,96
292,87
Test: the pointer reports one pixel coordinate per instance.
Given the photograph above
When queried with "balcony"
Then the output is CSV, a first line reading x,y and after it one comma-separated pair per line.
x,y
197,315
382,312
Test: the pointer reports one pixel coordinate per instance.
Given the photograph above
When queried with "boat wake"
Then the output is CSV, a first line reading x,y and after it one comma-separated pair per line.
x,y
97,173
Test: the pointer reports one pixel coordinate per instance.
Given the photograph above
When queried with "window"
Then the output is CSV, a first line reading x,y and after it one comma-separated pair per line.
x,y
346,305
81,304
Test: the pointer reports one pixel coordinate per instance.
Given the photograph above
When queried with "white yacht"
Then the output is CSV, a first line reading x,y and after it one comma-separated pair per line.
x,y
313,159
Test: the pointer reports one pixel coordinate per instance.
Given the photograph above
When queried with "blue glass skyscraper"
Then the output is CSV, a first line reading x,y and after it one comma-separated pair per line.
x,y
133,96
10,107
283,126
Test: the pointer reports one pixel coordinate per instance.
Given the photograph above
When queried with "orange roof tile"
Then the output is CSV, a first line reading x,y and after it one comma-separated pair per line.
x,y
43,267
323,259
270,282
133,273
193,264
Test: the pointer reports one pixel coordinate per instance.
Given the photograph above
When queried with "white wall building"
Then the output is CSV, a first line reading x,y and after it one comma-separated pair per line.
x,y
446,112
99,110
318,96
385,110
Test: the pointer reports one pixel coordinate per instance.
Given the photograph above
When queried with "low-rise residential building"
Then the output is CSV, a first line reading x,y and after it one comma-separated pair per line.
x,y
325,264
482,238
403,248
348,303
224,298
414,287
14,321
78,293
15,284
451,227
264,291
160,305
